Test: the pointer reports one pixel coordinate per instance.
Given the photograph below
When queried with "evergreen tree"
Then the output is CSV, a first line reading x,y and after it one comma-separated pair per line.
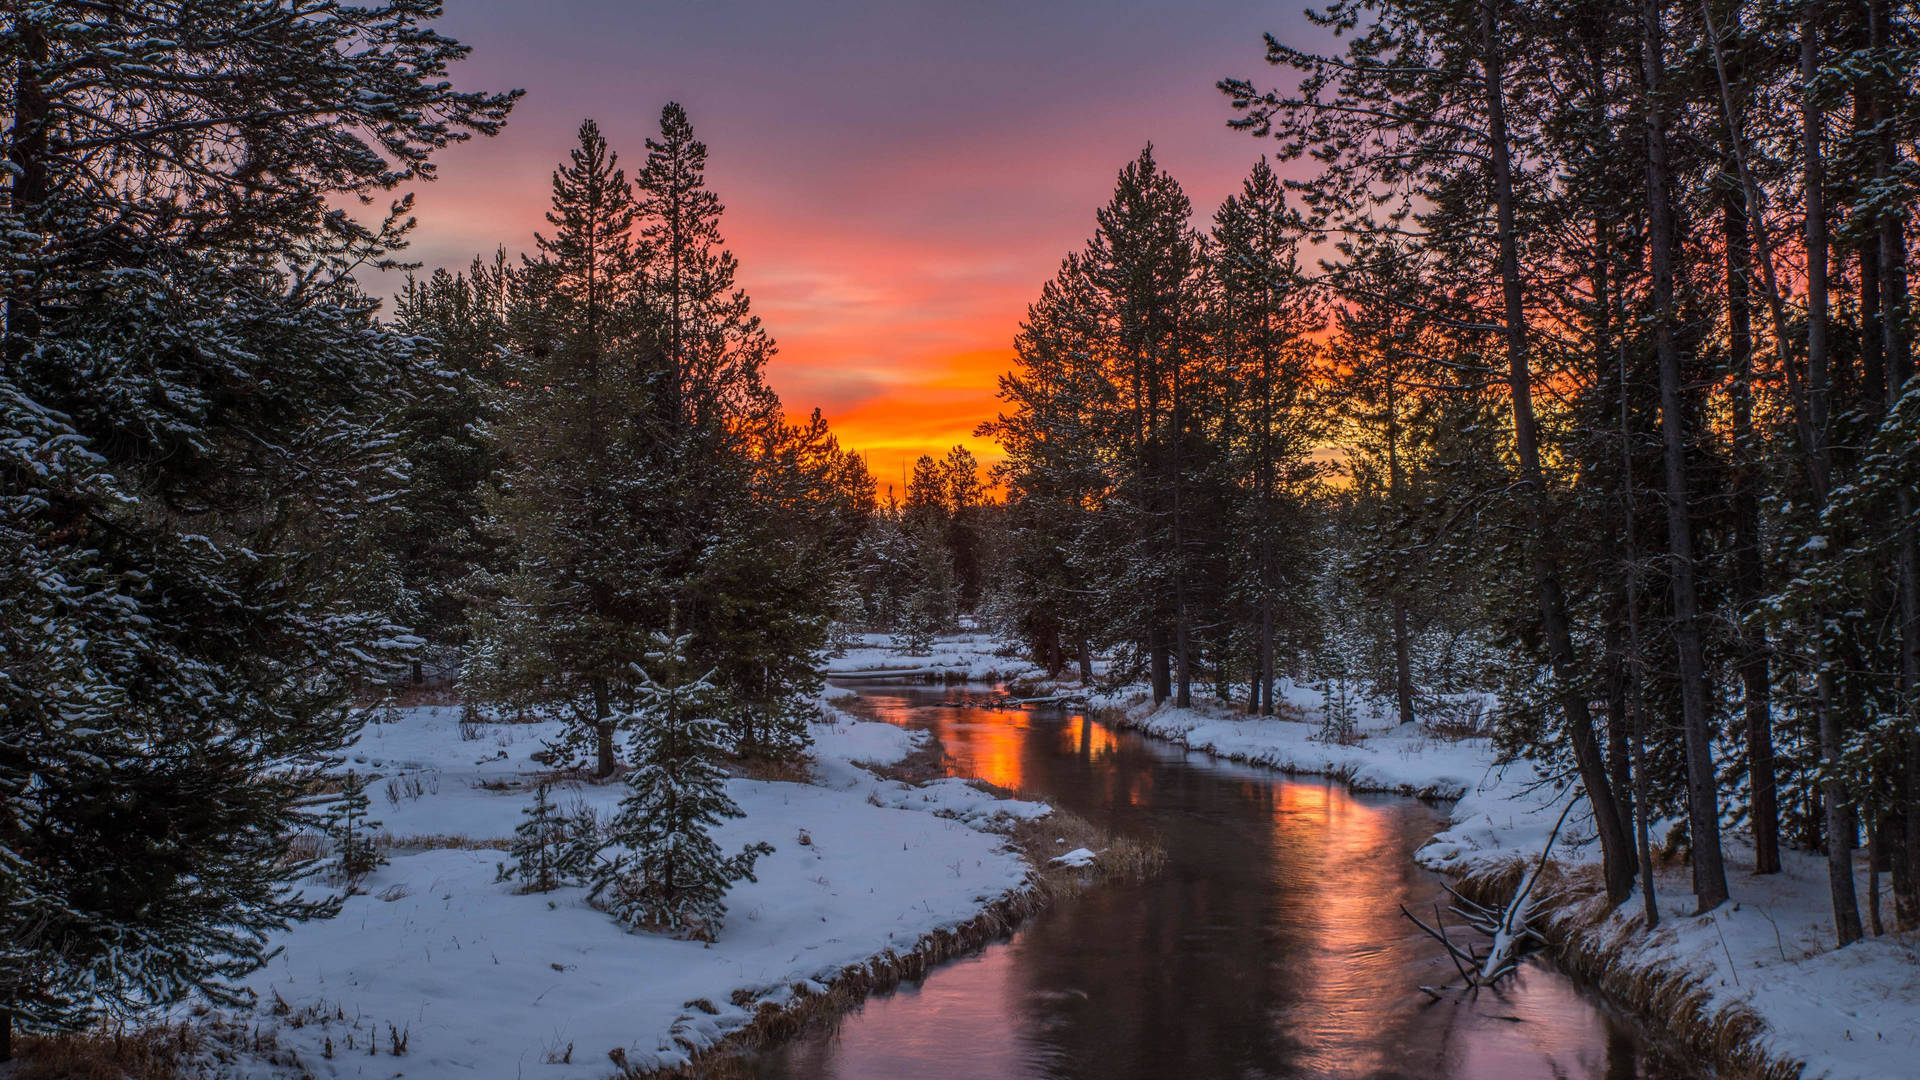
x,y
196,407
653,469
669,873
576,606
1263,316
967,509
356,851
439,535
711,341
550,847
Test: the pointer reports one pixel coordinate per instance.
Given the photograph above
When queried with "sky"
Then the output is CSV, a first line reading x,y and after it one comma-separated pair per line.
x,y
900,178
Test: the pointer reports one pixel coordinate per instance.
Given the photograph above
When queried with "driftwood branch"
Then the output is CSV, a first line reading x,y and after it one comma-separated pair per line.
x,y
1509,927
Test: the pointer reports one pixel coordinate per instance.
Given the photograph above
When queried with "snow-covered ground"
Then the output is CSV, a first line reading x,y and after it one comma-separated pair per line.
x,y
473,979
1848,1014
972,657
1379,756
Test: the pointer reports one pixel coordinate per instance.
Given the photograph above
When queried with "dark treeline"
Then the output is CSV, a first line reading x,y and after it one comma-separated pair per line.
x,y
1603,312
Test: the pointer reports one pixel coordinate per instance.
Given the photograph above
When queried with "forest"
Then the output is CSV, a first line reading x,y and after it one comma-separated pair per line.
x,y
1552,354
1606,312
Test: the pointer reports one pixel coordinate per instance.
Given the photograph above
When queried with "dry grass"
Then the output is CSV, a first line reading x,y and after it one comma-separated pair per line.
x,y
442,842
181,1051
788,770
163,1053
1115,857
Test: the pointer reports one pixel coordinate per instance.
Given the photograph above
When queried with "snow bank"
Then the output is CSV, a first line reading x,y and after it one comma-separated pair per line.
x,y
468,978
1403,759
951,658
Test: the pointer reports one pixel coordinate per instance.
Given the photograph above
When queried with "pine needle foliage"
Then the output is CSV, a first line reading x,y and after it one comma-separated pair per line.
x,y
669,873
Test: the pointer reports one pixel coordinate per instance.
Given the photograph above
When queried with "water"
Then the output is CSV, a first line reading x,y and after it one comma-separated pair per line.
x,y
1272,945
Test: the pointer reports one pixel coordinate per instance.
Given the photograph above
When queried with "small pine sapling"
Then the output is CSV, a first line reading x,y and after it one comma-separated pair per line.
x,y
355,854
669,873
550,847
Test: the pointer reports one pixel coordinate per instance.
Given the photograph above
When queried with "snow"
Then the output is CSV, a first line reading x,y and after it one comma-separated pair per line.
x,y
1405,759
972,657
1848,1014
480,981
1077,857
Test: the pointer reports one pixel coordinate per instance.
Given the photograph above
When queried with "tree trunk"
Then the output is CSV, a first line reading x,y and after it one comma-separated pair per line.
x,y
1633,701
1157,664
1616,852
1901,871
1619,732
1875,854
1703,802
1402,662
1183,654
1749,570
1266,658
602,727
1396,488
1086,663
1846,906
6,1035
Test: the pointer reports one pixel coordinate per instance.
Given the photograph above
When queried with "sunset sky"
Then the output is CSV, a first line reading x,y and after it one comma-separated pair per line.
x,y
900,178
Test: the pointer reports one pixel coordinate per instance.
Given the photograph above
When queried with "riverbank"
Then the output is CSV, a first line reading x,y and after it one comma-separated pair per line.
x,y
1373,756
1755,987
435,968
949,658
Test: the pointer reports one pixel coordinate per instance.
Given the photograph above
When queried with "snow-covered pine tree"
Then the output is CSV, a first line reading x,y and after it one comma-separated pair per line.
x,y
748,513
576,505
194,406
669,873
437,534
550,847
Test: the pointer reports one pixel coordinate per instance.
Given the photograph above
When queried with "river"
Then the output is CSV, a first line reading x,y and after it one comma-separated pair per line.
x,y
1271,946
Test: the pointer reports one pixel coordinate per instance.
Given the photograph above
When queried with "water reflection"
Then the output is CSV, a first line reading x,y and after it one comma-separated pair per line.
x,y
1272,946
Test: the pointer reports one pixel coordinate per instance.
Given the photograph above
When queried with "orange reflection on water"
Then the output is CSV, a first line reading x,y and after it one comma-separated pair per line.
x,y
1348,918
984,745
1087,738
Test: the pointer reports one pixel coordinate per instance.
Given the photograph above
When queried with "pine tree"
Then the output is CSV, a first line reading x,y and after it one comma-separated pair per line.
x,y
714,346
748,532
438,531
1263,313
550,847
669,873
356,850
195,403
966,543
576,608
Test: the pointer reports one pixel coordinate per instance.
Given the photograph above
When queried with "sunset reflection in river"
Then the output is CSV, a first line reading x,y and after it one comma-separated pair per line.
x,y
1271,946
